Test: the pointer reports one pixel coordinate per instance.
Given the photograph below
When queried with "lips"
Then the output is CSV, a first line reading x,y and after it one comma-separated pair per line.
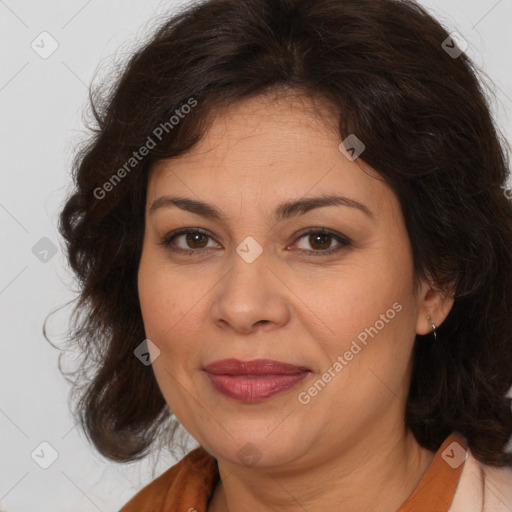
x,y
253,381
255,367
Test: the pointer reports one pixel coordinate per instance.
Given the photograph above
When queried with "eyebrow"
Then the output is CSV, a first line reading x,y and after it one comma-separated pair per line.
x,y
283,211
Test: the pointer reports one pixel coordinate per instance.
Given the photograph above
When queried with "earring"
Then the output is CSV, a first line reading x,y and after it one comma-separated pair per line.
x,y
434,331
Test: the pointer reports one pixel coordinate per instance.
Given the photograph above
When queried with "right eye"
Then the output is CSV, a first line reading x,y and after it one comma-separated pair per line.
x,y
193,239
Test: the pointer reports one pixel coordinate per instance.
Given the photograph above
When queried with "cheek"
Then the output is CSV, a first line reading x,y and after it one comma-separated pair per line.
x,y
355,298
370,303
174,307
162,301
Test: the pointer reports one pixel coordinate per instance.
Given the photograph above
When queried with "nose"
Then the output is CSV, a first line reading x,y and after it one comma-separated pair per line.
x,y
250,297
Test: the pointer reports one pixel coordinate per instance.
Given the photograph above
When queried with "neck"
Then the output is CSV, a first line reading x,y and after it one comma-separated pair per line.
x,y
378,473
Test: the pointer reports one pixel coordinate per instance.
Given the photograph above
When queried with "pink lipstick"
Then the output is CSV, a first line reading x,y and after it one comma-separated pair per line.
x,y
253,381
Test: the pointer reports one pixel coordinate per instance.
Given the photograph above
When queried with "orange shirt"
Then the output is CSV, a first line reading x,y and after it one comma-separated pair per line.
x,y
188,485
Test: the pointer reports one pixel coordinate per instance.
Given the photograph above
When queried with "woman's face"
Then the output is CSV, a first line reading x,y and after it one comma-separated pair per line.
x,y
259,281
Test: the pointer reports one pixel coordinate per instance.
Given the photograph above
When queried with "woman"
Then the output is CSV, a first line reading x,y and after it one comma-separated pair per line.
x,y
292,238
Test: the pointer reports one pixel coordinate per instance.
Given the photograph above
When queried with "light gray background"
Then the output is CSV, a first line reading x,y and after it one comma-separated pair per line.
x,y
41,102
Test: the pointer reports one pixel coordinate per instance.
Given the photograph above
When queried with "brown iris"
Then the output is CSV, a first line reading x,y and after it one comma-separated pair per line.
x,y
192,239
313,239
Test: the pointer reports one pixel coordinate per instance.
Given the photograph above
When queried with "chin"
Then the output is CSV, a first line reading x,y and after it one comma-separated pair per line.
x,y
257,450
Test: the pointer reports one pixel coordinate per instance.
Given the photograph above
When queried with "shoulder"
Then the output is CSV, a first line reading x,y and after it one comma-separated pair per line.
x,y
483,488
187,483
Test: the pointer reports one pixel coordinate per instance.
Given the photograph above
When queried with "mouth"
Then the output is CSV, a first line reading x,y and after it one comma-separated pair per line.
x,y
253,381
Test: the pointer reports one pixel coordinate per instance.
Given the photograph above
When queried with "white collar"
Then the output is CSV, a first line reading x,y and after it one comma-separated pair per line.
x,y
482,488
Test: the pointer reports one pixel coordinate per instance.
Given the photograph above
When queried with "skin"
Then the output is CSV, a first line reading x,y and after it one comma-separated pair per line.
x,y
348,448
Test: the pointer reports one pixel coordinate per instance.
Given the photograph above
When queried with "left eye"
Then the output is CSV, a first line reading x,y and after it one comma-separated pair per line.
x,y
322,240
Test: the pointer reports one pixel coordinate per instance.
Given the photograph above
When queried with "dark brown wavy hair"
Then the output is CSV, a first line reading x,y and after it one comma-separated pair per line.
x,y
424,115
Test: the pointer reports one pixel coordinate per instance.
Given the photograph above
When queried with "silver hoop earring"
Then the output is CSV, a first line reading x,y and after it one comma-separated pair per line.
x,y
434,329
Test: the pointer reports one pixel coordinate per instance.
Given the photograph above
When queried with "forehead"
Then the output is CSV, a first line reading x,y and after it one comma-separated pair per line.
x,y
263,130
269,150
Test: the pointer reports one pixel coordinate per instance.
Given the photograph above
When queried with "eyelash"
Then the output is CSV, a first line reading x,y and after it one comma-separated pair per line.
x,y
343,240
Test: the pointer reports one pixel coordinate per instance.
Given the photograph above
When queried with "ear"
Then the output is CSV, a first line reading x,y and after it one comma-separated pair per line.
x,y
433,303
